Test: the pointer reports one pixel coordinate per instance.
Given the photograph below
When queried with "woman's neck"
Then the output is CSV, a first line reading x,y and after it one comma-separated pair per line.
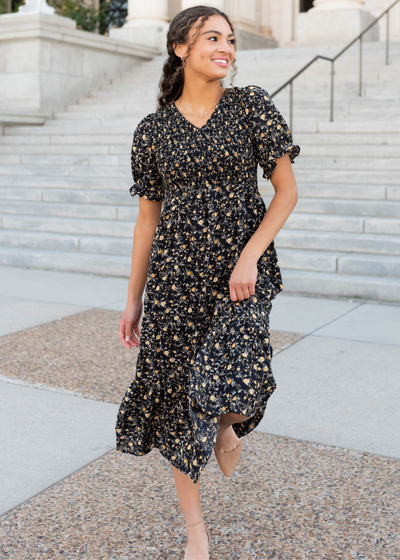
x,y
199,98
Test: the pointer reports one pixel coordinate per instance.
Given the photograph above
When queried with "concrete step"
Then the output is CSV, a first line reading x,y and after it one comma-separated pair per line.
x,y
349,176
63,242
107,265
341,285
326,207
62,149
346,242
73,129
65,170
348,139
76,183
52,209
67,160
361,163
339,223
55,138
343,191
57,224
66,196
342,263
388,126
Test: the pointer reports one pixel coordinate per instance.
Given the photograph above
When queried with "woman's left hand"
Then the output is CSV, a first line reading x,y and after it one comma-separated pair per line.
x,y
243,279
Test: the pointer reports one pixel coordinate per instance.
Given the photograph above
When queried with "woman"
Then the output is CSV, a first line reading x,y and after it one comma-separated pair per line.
x,y
203,374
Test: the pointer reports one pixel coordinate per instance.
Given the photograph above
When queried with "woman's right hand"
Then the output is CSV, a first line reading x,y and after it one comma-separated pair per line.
x,y
129,325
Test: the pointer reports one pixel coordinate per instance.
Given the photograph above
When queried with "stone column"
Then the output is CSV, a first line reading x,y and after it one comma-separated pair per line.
x,y
335,21
337,4
36,6
146,23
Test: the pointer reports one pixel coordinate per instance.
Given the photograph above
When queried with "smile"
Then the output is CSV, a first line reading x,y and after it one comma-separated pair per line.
x,y
220,61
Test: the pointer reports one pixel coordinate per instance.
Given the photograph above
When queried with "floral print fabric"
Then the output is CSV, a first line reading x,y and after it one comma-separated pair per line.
x,y
200,353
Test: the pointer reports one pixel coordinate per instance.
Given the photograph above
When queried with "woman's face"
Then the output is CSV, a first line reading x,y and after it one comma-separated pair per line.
x,y
214,49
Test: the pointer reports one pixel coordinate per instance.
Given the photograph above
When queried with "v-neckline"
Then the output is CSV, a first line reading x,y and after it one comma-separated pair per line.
x,y
223,97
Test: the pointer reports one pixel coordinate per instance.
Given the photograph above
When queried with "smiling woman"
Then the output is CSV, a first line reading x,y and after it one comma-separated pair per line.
x,y
203,372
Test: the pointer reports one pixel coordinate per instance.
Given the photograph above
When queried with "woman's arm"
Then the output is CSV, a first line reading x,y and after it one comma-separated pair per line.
x,y
244,275
145,227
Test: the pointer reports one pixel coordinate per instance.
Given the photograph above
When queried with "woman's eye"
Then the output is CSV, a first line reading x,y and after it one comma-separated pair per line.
x,y
233,41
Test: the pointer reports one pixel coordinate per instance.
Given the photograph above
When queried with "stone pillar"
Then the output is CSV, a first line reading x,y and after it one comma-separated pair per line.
x,y
35,6
189,3
338,4
146,23
247,19
335,21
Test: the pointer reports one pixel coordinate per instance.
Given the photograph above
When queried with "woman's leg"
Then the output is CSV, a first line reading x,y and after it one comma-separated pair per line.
x,y
189,499
227,438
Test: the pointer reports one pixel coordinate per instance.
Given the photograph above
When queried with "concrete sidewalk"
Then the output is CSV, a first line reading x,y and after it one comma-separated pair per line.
x,y
337,380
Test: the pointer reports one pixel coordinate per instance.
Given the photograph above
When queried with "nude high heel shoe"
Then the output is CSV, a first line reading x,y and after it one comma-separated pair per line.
x,y
196,525
227,460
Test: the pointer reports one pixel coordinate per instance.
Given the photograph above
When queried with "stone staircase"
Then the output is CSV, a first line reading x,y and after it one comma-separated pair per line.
x,y
64,186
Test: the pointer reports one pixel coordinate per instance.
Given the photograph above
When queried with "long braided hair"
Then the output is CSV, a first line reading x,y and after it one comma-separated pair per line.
x,y
172,79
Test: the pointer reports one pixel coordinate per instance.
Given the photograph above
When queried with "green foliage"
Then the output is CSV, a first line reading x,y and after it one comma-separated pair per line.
x,y
17,4
111,13
5,6
85,16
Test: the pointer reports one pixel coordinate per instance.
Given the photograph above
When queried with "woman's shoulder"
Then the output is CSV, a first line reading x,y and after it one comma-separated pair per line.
x,y
251,92
155,120
146,123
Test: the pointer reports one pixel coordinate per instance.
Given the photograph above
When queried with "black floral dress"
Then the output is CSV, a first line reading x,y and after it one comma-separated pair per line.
x,y
200,353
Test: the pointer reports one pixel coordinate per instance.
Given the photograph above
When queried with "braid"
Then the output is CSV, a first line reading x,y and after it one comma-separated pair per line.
x,y
172,79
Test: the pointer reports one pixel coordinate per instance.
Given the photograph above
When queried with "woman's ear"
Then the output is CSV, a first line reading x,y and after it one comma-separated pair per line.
x,y
177,50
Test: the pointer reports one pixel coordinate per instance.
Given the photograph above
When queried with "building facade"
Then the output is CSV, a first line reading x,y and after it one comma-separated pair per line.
x,y
269,23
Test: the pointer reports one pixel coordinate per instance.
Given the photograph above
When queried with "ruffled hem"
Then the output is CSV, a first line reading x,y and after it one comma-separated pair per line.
x,y
292,149
137,189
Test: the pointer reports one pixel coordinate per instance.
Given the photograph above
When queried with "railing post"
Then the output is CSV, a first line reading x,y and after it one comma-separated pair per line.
x,y
332,72
291,105
387,37
360,70
360,37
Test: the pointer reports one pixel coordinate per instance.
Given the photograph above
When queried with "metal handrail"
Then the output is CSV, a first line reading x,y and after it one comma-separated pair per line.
x,y
332,60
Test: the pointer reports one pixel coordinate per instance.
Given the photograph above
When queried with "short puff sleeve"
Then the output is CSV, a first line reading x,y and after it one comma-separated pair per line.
x,y
147,180
271,135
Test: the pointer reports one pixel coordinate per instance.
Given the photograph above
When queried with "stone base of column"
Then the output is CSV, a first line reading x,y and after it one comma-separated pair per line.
x,y
247,41
156,36
147,35
46,63
325,27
